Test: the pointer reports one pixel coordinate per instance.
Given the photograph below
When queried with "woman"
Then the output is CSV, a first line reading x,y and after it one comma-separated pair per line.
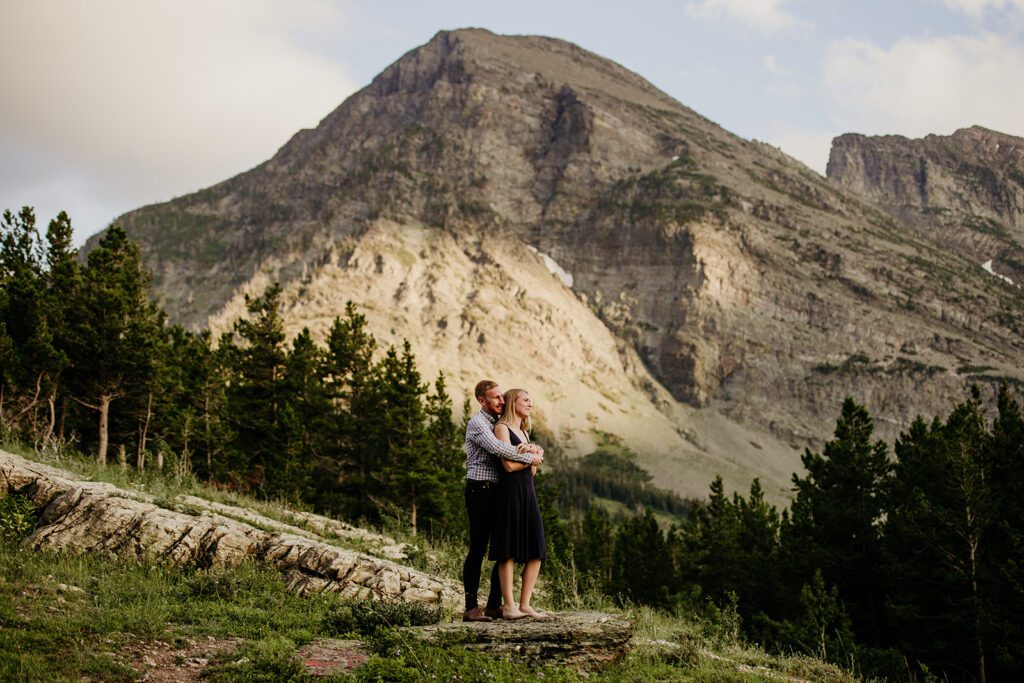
x,y
518,532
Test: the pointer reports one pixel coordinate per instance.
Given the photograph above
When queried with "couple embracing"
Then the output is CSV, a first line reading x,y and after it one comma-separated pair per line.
x,y
502,503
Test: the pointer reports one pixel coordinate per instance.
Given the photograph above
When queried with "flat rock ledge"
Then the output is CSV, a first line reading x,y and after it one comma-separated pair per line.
x,y
581,640
585,641
87,516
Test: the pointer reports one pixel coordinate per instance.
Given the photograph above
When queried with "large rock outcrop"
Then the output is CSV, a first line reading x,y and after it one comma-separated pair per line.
x,y
965,190
80,516
518,207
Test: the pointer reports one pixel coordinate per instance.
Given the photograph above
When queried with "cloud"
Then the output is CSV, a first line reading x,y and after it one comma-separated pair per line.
x,y
976,8
768,16
145,101
921,86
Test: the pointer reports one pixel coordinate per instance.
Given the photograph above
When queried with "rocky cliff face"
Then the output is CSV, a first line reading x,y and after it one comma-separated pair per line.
x,y
520,208
965,191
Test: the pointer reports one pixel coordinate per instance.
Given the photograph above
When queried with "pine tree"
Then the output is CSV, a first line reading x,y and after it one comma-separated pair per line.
x,y
32,360
63,289
1004,566
347,373
114,330
403,461
255,396
710,555
595,548
641,566
191,402
836,520
446,437
306,415
939,517
758,545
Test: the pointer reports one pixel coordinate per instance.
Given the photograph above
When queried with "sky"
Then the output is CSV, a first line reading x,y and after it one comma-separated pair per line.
x,y
108,105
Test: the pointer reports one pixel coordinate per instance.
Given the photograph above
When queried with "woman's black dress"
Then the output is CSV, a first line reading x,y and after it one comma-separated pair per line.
x,y
517,531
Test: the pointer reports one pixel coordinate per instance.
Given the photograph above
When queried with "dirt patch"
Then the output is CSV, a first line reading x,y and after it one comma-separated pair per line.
x,y
185,660
324,657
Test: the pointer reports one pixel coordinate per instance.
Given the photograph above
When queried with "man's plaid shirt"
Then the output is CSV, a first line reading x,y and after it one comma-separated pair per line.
x,y
482,446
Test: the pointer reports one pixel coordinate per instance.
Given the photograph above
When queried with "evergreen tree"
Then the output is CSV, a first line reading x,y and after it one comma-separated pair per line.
x,y
32,358
192,401
595,548
758,545
256,393
402,460
446,437
823,627
347,375
938,521
641,566
710,555
1004,569
306,415
114,330
836,520
64,288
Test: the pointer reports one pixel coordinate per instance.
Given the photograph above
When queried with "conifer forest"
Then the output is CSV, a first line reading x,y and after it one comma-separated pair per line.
x,y
901,561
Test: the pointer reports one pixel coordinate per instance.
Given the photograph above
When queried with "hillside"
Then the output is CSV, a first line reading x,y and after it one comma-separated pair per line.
x,y
518,207
140,593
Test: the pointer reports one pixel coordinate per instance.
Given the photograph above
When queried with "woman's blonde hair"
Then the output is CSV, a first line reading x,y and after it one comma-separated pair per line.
x,y
509,415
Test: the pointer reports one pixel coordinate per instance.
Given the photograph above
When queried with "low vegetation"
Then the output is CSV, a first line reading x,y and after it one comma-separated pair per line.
x,y
70,617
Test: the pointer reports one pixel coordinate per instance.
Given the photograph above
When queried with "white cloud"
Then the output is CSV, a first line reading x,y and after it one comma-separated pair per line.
x,y
765,15
149,100
976,8
933,85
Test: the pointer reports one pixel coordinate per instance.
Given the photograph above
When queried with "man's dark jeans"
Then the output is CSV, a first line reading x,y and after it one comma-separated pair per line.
x,y
480,506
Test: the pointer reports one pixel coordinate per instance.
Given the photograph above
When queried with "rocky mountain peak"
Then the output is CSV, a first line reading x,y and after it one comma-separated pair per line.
x,y
965,190
518,207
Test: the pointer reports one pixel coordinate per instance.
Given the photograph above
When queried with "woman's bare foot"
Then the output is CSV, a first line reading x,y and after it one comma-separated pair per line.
x,y
511,612
530,612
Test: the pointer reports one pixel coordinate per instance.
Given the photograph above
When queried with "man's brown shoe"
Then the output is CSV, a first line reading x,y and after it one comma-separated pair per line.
x,y
493,612
475,614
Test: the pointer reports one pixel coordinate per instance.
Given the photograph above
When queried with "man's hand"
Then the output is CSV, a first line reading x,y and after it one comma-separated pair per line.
x,y
532,449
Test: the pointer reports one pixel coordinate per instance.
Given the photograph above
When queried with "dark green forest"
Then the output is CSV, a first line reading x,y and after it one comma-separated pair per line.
x,y
905,563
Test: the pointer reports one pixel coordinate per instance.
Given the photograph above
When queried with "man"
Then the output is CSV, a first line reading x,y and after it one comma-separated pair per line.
x,y
483,469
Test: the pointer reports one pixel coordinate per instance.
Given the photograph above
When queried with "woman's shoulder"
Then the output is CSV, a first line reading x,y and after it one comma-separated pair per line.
x,y
501,429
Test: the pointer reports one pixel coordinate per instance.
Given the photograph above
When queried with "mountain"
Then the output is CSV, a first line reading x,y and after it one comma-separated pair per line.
x,y
965,191
520,208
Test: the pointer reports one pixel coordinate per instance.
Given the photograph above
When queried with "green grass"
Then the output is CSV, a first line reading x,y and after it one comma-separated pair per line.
x,y
85,617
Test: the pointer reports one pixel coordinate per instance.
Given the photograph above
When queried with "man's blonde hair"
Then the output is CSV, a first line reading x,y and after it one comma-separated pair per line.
x,y
509,415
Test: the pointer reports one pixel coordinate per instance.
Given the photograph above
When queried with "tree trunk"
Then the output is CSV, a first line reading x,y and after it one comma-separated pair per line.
x,y
413,516
206,430
122,456
51,401
144,431
140,461
101,456
60,422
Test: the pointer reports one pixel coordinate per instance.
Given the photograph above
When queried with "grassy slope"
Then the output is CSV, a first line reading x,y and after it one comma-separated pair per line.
x,y
86,617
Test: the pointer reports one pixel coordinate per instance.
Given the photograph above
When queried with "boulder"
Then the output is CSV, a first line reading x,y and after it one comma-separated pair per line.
x,y
88,516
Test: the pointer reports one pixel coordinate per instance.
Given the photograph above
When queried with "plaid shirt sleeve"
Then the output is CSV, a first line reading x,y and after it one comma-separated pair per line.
x,y
481,433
